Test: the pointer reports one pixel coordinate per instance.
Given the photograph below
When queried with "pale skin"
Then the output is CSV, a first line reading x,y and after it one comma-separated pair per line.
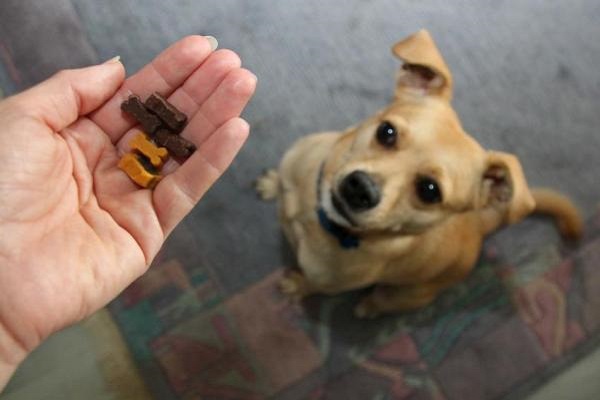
x,y
74,229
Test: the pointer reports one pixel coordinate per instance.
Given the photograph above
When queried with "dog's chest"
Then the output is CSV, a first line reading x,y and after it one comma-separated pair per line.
x,y
327,263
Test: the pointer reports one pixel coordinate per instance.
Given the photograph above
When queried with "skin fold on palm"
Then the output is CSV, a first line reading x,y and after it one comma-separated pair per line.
x,y
74,229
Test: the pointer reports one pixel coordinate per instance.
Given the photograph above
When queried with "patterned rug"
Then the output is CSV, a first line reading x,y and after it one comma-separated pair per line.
x,y
503,332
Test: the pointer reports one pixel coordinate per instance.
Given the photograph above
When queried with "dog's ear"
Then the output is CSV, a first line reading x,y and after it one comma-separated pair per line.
x,y
424,71
504,188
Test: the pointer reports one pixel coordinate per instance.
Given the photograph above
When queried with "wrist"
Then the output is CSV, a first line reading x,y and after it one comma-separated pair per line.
x,y
11,355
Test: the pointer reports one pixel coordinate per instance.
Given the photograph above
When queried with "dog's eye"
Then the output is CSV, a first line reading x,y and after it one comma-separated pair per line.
x,y
387,134
428,190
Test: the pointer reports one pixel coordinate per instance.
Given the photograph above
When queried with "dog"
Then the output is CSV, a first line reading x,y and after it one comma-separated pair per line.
x,y
403,200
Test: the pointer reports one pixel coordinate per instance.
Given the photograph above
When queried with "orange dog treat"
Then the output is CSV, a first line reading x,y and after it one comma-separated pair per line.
x,y
156,155
134,168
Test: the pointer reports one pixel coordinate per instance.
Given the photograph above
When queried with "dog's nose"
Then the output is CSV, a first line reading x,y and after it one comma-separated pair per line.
x,y
359,191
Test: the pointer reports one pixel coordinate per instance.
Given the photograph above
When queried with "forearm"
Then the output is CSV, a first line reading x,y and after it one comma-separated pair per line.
x,y
11,355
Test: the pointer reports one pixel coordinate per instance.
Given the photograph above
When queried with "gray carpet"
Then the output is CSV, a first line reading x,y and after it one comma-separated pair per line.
x,y
526,76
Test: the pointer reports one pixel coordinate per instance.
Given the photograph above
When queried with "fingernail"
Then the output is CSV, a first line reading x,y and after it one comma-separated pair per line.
x,y
113,60
253,77
213,42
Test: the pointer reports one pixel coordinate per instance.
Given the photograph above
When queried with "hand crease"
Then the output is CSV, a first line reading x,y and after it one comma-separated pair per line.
x,y
171,87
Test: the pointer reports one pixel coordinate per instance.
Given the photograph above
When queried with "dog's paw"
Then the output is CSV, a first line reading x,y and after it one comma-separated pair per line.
x,y
293,285
366,309
267,186
288,286
290,289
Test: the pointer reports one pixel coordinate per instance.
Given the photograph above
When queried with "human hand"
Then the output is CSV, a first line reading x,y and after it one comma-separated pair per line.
x,y
74,229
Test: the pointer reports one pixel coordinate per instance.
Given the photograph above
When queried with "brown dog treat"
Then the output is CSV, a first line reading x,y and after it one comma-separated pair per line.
x,y
135,107
178,146
174,119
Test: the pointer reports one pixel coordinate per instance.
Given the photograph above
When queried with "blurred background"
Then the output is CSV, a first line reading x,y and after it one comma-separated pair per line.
x,y
207,322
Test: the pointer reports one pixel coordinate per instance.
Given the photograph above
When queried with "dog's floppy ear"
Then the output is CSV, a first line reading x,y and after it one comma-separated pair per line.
x,y
504,188
424,71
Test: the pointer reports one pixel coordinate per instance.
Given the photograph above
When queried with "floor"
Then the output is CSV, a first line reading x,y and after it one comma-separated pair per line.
x,y
86,361
580,382
73,364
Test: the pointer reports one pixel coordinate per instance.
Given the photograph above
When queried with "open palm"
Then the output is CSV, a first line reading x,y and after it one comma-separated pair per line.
x,y
74,229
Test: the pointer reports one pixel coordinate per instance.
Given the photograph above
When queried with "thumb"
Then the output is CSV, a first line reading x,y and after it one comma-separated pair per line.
x,y
63,98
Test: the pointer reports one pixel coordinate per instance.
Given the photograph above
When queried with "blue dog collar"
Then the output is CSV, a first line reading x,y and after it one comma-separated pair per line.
x,y
346,238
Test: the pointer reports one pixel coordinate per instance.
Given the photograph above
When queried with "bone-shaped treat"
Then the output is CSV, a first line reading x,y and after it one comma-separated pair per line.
x,y
134,106
174,119
156,155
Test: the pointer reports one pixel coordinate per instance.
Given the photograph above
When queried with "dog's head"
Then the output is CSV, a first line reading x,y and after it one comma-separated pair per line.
x,y
412,165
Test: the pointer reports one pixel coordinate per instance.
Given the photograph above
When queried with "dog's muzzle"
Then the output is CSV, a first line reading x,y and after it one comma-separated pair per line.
x,y
359,191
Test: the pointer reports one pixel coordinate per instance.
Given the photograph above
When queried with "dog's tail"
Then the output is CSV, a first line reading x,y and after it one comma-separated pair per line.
x,y
558,206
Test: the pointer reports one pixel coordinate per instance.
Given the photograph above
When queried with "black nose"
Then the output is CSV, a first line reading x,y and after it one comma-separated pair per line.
x,y
359,191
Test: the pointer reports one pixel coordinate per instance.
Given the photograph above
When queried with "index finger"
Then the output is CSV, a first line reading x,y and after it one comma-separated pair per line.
x,y
164,74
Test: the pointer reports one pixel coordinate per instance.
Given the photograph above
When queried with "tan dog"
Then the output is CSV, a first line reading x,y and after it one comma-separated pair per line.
x,y
402,200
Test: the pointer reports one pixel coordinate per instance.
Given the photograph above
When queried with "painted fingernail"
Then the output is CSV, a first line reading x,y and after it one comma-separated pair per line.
x,y
213,42
113,60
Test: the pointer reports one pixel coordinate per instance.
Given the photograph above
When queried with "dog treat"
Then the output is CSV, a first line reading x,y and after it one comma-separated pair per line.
x,y
134,106
156,155
139,170
174,119
162,123
178,146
